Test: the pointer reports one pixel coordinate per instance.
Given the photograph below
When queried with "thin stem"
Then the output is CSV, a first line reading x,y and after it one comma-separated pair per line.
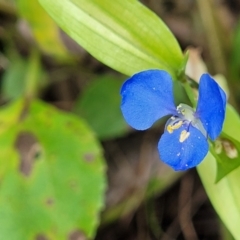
x,y
214,39
217,44
32,77
190,93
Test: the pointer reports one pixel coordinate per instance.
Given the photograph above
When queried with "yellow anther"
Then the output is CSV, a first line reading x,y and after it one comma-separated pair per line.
x,y
177,125
184,135
170,128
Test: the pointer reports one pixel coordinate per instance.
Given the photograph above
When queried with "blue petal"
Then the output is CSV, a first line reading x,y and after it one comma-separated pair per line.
x,y
186,154
224,98
146,97
211,106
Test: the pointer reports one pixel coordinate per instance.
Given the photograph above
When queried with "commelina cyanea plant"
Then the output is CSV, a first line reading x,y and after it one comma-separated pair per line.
x,y
148,96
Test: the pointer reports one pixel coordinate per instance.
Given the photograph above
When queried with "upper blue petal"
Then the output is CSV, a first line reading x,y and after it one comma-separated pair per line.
x,y
186,154
211,106
146,97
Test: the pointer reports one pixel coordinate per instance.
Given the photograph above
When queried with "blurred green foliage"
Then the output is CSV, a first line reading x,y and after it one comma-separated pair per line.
x,y
45,31
23,77
99,105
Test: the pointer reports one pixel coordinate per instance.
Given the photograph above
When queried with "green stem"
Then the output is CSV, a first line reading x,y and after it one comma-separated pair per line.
x,y
32,76
217,43
214,39
190,93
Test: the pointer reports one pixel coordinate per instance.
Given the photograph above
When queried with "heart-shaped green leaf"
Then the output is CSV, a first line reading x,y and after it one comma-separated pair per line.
x,y
52,173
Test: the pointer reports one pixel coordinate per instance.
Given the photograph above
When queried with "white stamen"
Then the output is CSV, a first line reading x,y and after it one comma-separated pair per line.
x,y
184,135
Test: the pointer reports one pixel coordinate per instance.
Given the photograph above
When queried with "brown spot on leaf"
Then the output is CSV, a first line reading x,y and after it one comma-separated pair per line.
x,y
77,235
41,237
89,157
230,149
49,201
29,150
69,124
72,127
73,183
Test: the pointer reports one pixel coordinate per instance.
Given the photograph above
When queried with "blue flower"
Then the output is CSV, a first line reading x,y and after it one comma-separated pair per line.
x,y
148,96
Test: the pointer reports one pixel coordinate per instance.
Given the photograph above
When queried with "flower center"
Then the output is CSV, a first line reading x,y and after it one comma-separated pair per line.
x,y
185,116
186,112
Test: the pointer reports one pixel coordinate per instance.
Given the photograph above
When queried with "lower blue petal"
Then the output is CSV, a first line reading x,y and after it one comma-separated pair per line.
x,y
211,106
186,154
146,97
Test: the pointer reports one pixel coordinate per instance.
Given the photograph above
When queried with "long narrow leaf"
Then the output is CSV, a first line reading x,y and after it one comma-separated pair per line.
x,y
224,195
123,34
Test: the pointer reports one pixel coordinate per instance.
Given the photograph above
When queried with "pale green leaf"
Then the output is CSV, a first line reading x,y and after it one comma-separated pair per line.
x,y
60,189
224,195
125,35
44,29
